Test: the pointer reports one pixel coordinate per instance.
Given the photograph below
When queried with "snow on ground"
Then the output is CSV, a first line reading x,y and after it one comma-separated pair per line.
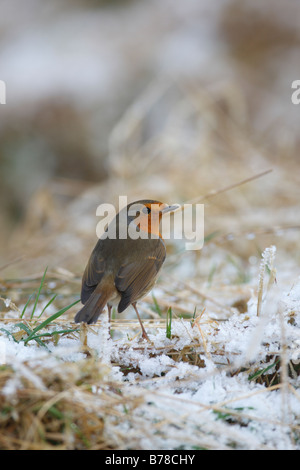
x,y
206,401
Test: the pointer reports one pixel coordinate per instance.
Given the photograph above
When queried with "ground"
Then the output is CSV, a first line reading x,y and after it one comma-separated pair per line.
x,y
205,382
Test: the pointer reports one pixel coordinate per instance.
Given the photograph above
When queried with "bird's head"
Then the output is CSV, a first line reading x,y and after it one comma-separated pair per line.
x,y
146,214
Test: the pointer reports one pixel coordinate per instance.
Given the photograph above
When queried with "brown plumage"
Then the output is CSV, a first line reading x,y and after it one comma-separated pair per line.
x,y
121,271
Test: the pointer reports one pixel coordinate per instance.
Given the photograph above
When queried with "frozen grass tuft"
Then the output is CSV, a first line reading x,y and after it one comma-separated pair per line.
x,y
201,383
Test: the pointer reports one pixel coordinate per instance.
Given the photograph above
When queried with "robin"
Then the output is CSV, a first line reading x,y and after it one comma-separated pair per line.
x,y
123,269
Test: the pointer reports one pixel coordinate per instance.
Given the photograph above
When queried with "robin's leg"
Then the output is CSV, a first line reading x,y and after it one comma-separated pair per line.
x,y
144,334
109,318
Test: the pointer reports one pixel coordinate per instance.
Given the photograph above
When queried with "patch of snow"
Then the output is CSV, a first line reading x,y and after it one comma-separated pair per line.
x,y
173,391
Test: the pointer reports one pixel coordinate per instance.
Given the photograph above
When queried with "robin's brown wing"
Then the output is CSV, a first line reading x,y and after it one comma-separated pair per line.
x,y
93,273
135,279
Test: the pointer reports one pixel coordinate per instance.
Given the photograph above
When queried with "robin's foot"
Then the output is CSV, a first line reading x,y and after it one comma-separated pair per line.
x,y
144,334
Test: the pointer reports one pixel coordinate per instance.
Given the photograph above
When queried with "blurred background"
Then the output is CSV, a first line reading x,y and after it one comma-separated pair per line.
x,y
150,99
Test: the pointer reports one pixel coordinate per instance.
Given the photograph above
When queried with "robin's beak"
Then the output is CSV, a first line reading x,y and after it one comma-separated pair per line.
x,y
165,208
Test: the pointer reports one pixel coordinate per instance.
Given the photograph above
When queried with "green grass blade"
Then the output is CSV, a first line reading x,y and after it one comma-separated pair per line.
x,y
26,305
38,293
9,334
29,331
49,320
262,371
169,323
56,332
156,307
46,306
192,320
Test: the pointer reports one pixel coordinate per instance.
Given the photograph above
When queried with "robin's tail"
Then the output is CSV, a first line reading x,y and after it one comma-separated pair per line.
x,y
93,307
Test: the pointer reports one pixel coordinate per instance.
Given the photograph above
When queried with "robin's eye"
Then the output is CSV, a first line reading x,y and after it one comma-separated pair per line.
x,y
146,210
